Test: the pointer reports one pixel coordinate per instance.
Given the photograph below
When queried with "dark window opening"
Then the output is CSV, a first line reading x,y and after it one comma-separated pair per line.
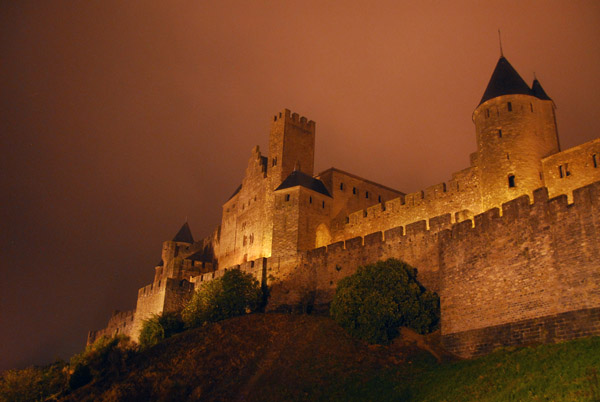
x,y
487,113
531,106
507,156
353,190
500,133
509,104
347,219
275,161
366,194
287,197
595,160
310,200
365,214
379,198
563,170
511,181
323,205
341,186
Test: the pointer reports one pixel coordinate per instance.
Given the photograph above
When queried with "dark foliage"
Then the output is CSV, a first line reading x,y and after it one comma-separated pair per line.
x,y
160,327
379,298
235,293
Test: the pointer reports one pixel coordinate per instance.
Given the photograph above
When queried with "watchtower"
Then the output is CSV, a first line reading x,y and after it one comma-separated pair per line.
x,y
516,128
291,146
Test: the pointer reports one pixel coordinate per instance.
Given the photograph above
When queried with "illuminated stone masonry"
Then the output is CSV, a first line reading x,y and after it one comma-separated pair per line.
x,y
511,242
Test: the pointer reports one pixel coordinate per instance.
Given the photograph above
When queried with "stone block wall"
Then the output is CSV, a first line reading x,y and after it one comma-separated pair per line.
x,y
120,323
573,168
534,262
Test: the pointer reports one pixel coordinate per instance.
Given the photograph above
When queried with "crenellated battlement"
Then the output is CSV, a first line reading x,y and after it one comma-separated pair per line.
x,y
287,117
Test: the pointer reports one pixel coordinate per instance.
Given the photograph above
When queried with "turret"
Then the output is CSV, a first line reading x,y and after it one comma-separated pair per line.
x,y
182,240
516,128
291,145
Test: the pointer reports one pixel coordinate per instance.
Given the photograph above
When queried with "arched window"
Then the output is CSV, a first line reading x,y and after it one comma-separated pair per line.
x,y
511,181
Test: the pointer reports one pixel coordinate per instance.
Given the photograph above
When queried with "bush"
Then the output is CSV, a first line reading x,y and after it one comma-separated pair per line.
x,y
379,298
107,357
160,327
235,293
33,383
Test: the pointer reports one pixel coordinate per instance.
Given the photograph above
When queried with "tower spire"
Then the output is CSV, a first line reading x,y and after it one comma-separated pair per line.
x,y
500,42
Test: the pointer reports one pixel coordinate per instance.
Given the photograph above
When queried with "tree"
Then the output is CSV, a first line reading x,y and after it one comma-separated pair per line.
x,y
235,293
159,327
379,298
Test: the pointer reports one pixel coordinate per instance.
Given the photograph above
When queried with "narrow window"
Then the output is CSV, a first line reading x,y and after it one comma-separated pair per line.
x,y
353,190
507,156
366,194
310,200
499,133
287,197
595,160
347,219
487,113
275,161
365,214
531,107
567,171
509,106
379,198
560,172
511,181
323,205
342,186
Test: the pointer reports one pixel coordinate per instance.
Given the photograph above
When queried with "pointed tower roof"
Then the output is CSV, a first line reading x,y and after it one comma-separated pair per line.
x,y
184,235
538,91
505,81
299,178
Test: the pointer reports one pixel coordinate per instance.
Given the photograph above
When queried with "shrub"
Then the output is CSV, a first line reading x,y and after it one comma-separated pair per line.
x,y
235,293
160,327
33,383
107,357
379,298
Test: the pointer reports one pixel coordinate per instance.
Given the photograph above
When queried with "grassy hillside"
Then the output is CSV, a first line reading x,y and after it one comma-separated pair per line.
x,y
278,357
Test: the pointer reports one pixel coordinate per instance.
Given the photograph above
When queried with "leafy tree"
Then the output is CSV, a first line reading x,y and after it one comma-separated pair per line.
x,y
235,293
379,298
160,327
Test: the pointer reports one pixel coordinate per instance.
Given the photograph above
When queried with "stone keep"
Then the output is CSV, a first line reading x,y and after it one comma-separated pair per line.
x,y
511,242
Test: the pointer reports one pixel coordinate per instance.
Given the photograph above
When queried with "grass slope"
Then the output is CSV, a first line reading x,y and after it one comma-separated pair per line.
x,y
277,357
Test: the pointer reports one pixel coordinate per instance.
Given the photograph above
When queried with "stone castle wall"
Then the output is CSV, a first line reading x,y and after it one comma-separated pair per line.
x,y
534,261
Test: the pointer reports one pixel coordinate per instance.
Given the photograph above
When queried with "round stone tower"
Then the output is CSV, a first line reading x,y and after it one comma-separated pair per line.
x,y
516,128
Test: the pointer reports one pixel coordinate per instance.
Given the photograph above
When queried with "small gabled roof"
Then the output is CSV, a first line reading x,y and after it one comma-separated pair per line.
x,y
298,178
538,91
184,235
505,81
237,190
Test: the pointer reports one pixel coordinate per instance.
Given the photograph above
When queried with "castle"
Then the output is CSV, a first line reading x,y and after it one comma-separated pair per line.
x,y
511,243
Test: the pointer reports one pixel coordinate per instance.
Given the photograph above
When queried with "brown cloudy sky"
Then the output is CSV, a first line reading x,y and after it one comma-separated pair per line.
x,y
119,119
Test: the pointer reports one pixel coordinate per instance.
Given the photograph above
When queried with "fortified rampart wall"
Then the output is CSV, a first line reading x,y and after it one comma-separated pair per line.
x,y
163,296
458,197
121,322
530,275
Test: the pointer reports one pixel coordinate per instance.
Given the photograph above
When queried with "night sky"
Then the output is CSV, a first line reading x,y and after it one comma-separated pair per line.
x,y
119,119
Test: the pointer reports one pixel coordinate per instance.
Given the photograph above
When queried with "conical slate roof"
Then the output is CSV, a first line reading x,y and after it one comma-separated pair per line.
x,y
538,91
299,178
184,235
505,81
